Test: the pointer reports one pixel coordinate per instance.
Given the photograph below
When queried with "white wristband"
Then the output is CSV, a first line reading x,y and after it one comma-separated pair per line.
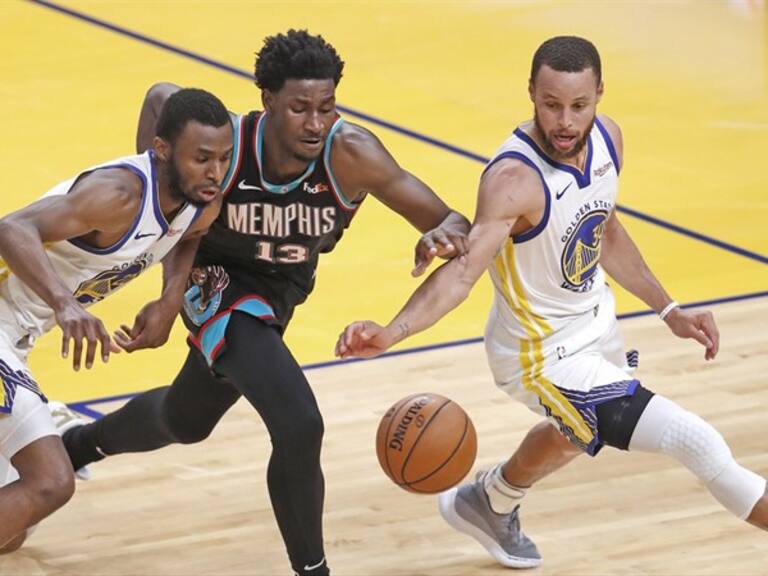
x,y
667,309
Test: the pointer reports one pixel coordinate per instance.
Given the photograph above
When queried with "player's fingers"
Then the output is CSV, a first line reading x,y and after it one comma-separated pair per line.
x,y
442,239
351,332
65,336
341,348
128,330
427,244
709,326
91,340
461,243
422,264
77,351
701,337
122,340
105,341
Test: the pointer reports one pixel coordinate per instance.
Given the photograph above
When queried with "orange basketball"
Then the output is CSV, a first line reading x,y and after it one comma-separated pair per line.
x,y
426,443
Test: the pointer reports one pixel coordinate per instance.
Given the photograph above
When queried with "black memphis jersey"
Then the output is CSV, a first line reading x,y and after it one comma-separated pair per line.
x,y
268,236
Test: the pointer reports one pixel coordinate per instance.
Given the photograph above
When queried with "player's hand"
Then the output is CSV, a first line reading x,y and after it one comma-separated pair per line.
x,y
446,241
697,324
364,339
150,329
77,325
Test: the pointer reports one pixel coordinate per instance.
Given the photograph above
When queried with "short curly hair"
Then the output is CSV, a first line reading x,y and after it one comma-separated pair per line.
x,y
186,105
567,54
297,55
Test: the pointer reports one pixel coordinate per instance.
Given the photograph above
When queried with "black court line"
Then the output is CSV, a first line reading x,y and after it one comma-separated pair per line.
x,y
84,407
385,124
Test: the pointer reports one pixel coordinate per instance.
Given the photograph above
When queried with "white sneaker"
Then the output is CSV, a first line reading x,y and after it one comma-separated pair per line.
x,y
65,419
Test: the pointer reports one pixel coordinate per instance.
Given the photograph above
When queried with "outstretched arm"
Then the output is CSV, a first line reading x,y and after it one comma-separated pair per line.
x,y
508,191
105,202
364,166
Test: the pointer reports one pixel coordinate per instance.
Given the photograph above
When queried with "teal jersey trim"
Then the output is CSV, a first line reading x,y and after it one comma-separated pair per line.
x,y
327,161
237,151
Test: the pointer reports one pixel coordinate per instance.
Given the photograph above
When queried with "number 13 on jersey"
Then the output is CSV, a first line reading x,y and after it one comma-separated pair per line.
x,y
282,254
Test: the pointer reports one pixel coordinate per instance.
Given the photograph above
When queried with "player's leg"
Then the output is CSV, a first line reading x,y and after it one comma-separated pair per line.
x,y
665,427
8,475
46,482
184,412
488,508
563,379
259,364
543,451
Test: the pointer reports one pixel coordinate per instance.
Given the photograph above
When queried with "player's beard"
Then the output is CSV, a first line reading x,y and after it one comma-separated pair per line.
x,y
176,184
550,149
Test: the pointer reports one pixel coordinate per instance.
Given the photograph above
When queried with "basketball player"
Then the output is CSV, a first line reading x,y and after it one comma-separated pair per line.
x,y
545,219
83,240
298,176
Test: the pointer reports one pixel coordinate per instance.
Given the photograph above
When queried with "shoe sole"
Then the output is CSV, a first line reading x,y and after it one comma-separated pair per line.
x,y
446,505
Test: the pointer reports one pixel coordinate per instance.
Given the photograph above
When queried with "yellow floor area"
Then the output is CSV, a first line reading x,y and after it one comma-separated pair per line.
x,y
685,80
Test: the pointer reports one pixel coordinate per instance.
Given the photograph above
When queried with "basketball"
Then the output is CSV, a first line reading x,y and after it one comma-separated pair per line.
x,y
426,443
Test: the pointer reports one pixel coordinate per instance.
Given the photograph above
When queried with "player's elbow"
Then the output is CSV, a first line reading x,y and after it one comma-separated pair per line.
x,y
157,94
154,100
9,227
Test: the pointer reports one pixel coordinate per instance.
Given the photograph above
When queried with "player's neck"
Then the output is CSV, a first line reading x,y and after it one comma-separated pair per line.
x,y
278,163
169,203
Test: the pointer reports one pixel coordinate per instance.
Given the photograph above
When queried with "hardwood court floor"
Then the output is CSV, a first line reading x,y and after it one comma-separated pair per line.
x,y
203,510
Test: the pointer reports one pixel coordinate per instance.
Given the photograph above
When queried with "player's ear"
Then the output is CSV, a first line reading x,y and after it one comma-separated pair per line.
x,y
600,91
162,148
267,100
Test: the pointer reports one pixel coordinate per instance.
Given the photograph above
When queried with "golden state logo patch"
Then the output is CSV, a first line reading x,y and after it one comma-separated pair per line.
x,y
582,252
98,287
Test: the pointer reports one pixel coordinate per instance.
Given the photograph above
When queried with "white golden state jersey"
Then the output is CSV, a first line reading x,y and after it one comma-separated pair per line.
x,y
94,273
549,275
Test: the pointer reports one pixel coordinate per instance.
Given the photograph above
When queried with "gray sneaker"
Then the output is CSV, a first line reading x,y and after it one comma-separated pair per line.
x,y
468,510
65,419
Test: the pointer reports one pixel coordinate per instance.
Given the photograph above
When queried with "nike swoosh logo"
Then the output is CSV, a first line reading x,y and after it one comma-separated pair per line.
x,y
308,568
243,186
139,235
560,194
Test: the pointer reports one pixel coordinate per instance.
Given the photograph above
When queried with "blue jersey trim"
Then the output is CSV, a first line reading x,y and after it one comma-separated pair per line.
x,y
198,213
327,161
609,143
583,179
119,244
536,230
268,186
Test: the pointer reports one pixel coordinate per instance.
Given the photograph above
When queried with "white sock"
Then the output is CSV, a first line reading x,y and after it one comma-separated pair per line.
x,y
502,495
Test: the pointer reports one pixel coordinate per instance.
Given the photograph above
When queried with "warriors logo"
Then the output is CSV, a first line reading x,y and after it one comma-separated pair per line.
x,y
98,287
582,252
203,296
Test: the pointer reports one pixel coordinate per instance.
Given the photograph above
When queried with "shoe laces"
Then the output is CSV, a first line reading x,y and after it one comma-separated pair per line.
x,y
513,524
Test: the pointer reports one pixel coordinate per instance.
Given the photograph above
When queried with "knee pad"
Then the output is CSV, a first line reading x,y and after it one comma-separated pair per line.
x,y
696,444
700,448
